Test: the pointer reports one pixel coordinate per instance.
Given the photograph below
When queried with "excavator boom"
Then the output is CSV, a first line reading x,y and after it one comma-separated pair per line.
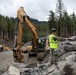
x,y
22,18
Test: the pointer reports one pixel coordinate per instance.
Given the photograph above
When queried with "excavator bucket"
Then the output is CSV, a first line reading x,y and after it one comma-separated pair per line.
x,y
18,57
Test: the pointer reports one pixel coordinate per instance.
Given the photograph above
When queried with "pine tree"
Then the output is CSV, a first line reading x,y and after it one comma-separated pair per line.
x,y
51,20
59,14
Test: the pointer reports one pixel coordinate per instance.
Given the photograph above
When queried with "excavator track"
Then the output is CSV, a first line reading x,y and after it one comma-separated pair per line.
x,y
42,55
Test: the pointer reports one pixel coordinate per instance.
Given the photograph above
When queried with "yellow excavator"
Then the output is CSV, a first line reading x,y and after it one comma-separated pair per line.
x,y
4,46
22,18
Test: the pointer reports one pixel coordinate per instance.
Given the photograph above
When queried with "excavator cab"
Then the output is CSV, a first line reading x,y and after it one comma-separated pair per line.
x,y
41,44
40,47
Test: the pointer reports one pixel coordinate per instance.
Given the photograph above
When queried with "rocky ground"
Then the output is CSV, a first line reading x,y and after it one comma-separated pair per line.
x,y
66,62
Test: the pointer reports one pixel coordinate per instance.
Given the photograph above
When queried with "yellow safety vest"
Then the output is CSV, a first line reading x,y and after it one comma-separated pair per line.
x,y
53,43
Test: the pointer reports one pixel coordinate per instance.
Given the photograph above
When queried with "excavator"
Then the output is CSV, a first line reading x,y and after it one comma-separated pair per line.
x,y
3,44
37,46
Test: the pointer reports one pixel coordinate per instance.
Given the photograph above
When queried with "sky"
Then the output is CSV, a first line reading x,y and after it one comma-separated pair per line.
x,y
38,9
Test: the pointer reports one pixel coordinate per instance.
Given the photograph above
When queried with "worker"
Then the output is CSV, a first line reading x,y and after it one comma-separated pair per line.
x,y
53,44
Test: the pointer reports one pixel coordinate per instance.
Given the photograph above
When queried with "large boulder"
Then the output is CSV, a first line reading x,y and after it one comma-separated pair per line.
x,y
72,38
66,64
66,46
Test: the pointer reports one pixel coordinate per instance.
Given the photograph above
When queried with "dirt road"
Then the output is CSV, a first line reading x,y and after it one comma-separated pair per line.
x,y
6,59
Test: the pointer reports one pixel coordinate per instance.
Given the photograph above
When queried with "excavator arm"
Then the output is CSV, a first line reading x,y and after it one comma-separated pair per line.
x,y
33,31
21,19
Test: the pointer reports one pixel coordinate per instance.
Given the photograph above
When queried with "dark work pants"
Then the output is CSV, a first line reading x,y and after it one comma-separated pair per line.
x,y
53,57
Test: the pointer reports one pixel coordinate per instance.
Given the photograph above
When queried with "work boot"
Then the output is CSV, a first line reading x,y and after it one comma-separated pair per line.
x,y
56,64
57,67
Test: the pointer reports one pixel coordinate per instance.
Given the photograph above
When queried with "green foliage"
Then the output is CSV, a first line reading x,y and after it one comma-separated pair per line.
x,y
62,21
51,20
42,30
26,34
8,24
